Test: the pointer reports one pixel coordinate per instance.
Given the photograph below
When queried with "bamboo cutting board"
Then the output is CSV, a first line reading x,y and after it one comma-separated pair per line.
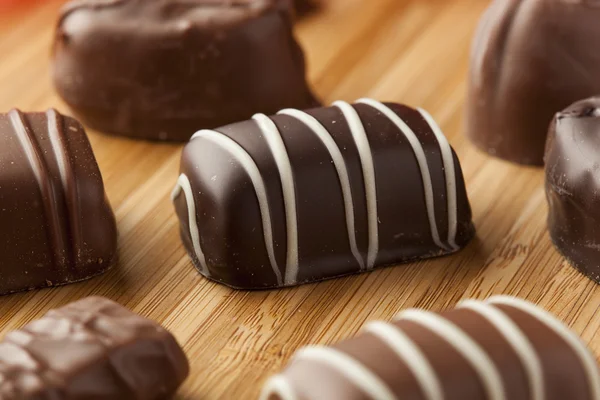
x,y
411,51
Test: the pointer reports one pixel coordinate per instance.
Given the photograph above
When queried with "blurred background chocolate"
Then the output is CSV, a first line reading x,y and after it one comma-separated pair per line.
x,y
306,196
573,185
530,60
163,69
91,349
57,225
304,7
501,349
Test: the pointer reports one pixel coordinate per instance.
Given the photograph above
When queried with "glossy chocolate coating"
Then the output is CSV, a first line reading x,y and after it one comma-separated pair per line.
x,y
57,225
530,60
573,185
274,202
91,349
501,349
163,69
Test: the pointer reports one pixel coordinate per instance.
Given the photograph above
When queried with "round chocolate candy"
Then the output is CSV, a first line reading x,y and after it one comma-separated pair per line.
x,y
164,69
573,185
530,59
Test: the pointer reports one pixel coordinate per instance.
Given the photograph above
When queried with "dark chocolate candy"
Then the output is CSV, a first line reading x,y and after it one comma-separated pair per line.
x,y
57,225
92,349
306,196
501,349
573,185
530,60
163,69
306,6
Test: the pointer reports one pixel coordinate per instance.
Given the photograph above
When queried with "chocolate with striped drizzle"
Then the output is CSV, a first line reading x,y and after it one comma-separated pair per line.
x,y
57,225
500,349
310,195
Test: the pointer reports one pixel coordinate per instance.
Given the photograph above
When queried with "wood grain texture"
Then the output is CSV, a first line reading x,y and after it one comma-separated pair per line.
x,y
411,51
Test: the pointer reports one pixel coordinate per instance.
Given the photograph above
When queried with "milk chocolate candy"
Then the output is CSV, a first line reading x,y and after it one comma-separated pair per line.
x,y
573,185
306,196
57,226
501,349
163,69
530,60
92,349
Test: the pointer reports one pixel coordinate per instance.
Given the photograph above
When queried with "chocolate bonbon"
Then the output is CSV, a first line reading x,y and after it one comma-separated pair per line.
x,y
501,349
57,225
163,69
306,196
573,183
91,349
530,60
306,6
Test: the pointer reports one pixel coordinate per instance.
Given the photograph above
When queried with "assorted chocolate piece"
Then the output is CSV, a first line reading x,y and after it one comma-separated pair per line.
x,y
163,69
58,226
530,60
91,349
501,349
305,196
573,185
306,6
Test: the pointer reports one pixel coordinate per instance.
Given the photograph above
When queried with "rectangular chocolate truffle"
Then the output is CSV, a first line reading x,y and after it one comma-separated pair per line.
x,y
161,69
57,225
91,349
501,349
306,196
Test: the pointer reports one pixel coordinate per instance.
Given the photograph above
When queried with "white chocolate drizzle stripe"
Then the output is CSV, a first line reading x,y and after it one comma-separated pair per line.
x,y
278,385
183,183
340,166
587,359
421,161
352,369
35,158
450,175
359,135
284,165
412,357
58,141
57,145
253,172
517,340
478,359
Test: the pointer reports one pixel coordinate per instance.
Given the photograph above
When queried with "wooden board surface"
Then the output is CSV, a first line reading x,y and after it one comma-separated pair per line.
x,y
412,51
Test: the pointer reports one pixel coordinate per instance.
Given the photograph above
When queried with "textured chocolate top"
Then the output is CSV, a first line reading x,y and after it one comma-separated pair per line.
x,y
163,69
57,225
91,349
501,349
573,184
530,60
305,196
